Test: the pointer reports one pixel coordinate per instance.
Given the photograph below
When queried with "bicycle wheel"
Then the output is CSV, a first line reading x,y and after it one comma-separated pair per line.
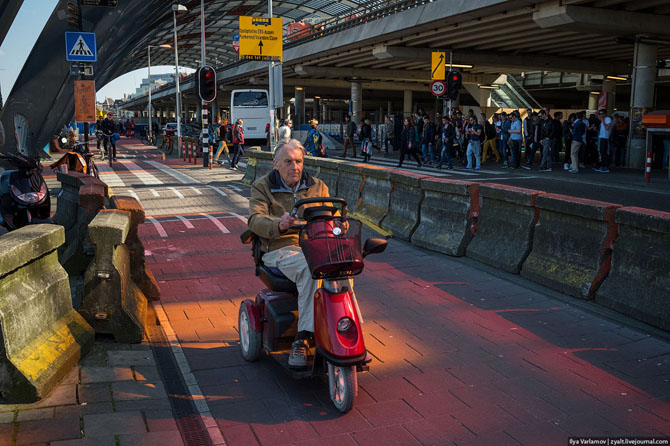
x,y
145,139
93,169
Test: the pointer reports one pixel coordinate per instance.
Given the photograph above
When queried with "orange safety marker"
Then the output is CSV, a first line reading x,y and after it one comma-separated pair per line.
x,y
188,147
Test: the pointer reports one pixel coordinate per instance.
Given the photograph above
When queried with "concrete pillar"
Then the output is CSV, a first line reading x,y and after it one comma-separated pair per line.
x,y
198,113
641,101
609,87
299,107
407,103
380,115
324,112
214,112
315,109
389,108
356,102
593,102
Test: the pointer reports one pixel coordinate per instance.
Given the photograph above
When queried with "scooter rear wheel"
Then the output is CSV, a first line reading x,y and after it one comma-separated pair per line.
x,y
250,339
343,384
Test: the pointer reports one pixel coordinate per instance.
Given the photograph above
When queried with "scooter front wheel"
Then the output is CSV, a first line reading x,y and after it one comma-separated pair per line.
x,y
250,339
343,383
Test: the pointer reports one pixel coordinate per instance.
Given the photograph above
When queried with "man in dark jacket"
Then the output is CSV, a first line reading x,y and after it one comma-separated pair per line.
x,y
428,140
108,128
558,137
547,135
349,132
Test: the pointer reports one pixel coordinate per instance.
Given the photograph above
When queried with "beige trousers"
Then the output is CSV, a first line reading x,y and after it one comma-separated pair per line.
x,y
574,154
291,262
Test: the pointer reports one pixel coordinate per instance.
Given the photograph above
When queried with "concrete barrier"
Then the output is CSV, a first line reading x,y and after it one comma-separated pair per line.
x,y
505,226
81,198
572,244
112,303
310,165
329,173
140,273
43,338
375,193
350,183
639,281
405,204
264,163
448,216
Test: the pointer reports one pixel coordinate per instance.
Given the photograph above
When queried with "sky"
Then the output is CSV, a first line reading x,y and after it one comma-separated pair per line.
x,y
22,36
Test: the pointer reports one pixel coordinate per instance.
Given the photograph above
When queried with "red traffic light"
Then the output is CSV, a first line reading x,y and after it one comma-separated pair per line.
x,y
206,78
455,78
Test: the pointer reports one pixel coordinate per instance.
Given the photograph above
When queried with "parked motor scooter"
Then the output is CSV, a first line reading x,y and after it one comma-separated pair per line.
x,y
76,159
24,196
331,243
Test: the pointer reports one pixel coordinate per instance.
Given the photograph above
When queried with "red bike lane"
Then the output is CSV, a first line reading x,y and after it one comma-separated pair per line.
x,y
461,355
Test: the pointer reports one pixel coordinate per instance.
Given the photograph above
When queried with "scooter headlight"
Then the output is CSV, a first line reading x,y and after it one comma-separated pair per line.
x,y
344,324
30,197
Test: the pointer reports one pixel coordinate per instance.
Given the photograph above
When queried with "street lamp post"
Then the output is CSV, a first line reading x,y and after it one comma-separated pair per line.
x,y
177,8
149,69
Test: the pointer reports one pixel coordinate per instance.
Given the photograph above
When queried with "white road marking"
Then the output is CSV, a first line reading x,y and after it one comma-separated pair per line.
x,y
144,176
182,177
176,192
153,191
244,219
217,223
235,188
134,194
108,176
186,222
219,191
196,190
144,156
158,226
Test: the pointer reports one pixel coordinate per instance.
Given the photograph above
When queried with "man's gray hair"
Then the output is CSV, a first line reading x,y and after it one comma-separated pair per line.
x,y
289,144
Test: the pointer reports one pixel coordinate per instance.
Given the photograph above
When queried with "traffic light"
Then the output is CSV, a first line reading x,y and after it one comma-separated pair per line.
x,y
207,83
454,83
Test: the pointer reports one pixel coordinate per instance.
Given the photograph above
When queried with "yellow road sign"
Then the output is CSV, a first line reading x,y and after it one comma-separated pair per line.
x,y
437,67
261,38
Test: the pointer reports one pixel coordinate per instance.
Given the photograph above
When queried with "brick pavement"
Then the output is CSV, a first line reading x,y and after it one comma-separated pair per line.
x,y
461,355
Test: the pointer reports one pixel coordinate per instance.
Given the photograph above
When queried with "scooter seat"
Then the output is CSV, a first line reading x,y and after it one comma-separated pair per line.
x,y
275,280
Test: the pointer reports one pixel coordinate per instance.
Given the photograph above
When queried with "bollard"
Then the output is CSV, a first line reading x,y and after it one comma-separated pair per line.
x,y
183,150
194,147
648,168
211,156
113,303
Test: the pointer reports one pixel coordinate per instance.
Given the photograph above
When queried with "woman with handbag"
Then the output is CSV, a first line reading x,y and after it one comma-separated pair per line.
x,y
408,145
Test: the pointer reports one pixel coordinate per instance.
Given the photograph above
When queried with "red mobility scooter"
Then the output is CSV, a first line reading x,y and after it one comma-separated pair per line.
x,y
331,243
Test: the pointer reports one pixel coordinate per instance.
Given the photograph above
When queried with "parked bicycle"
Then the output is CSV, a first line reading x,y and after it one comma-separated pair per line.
x,y
148,140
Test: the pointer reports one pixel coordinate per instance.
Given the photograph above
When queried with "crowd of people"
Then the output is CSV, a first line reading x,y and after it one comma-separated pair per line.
x,y
597,140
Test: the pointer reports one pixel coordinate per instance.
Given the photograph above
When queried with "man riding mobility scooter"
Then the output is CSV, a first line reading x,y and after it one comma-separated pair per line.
x,y
331,243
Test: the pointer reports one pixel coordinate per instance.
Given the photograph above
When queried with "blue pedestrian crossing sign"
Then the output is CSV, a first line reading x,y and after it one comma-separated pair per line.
x,y
80,47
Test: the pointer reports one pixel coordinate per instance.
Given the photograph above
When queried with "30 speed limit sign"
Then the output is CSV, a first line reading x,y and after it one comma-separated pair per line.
x,y
438,88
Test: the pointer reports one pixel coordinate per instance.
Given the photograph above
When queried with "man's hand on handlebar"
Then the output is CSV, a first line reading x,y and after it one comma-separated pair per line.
x,y
286,222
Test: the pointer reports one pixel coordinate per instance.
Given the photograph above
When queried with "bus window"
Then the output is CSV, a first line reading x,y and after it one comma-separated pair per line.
x,y
250,99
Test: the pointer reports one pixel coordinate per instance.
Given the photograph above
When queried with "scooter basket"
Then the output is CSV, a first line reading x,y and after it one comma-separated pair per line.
x,y
332,247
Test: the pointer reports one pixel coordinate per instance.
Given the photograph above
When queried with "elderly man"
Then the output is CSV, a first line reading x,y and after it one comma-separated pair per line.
x,y
272,198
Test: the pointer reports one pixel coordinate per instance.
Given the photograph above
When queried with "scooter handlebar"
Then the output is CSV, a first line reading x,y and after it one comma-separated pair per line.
x,y
305,201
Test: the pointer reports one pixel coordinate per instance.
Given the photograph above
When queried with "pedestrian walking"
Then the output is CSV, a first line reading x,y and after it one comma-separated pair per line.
x,y
238,144
349,132
408,142
474,144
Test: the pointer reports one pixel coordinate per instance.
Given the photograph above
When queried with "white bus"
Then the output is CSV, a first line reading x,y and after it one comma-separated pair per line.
x,y
252,106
